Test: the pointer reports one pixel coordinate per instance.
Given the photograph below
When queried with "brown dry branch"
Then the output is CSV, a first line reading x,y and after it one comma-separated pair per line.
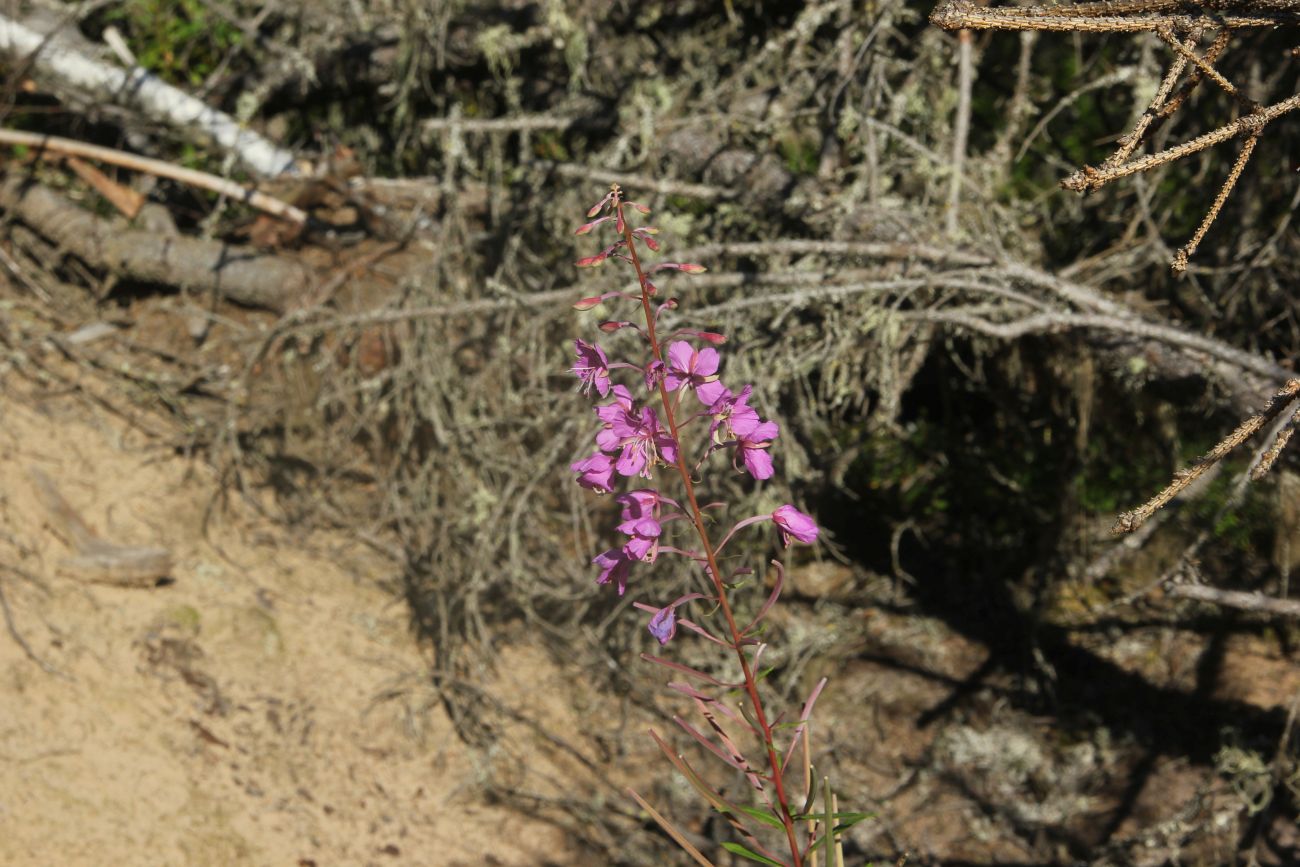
x,y
240,274
203,180
1130,521
1181,32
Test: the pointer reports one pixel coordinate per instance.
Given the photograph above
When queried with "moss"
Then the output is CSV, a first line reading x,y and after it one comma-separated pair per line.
x,y
178,40
801,152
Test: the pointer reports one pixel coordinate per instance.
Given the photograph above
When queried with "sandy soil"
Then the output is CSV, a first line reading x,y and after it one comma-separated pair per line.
x,y
265,706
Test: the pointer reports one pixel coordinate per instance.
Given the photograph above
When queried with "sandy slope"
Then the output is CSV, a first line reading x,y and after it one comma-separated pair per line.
x,y
266,707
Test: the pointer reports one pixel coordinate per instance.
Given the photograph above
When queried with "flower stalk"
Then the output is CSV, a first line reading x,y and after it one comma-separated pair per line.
x,y
639,436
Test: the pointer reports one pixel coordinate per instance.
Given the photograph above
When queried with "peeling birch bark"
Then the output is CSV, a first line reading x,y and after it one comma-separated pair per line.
x,y
140,90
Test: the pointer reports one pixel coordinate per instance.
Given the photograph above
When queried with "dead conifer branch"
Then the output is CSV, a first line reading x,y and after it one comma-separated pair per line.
x,y
1216,50
1090,178
962,14
1270,455
1186,53
1161,104
1185,252
1130,521
1180,26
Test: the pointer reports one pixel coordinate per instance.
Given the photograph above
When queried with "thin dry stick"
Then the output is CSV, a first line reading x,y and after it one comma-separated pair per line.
x,y
696,854
522,123
1270,455
1130,521
961,125
1179,263
203,180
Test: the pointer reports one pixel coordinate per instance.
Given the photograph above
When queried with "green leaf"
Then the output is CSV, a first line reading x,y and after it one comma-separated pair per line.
x,y
737,849
763,816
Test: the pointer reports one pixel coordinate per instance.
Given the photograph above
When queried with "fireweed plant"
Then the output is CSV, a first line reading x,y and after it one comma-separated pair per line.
x,y
675,416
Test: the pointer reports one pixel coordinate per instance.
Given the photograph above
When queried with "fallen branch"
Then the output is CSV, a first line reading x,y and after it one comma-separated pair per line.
x,y
1256,602
203,180
146,93
240,274
95,559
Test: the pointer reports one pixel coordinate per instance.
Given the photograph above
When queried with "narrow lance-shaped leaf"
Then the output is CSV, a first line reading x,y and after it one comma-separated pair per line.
x,y
755,779
804,715
715,799
733,761
737,849
691,692
677,836
771,599
690,672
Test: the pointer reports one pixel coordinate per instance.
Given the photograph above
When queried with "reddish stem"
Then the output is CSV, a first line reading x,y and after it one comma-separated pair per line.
x,y
697,517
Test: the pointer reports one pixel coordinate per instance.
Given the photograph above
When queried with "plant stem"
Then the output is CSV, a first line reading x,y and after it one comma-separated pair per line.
x,y
697,517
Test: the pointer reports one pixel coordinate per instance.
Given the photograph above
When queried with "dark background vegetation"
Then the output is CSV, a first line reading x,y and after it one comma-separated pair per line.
x,y
1008,686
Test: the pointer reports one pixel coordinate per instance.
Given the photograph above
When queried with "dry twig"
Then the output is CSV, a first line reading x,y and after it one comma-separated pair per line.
x,y
1130,521
1179,26
203,180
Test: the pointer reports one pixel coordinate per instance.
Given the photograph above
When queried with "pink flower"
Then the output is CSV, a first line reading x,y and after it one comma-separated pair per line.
x,y
695,369
728,411
635,434
644,541
620,418
794,524
751,447
614,565
592,367
641,503
595,472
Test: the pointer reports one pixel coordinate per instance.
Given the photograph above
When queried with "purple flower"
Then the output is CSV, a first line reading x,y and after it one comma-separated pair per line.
x,y
592,367
620,418
663,625
729,410
596,472
614,565
752,444
695,369
636,435
645,445
641,503
644,541
794,524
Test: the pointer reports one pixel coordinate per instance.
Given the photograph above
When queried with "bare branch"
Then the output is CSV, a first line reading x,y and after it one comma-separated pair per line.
x,y
134,162
146,93
1256,602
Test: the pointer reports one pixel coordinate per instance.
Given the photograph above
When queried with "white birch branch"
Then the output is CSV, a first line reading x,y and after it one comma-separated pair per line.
x,y
138,89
